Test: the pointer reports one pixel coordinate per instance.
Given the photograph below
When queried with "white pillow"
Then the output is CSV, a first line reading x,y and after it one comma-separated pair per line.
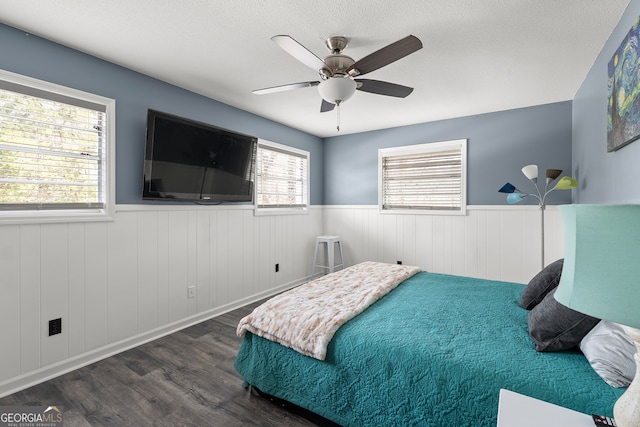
x,y
610,352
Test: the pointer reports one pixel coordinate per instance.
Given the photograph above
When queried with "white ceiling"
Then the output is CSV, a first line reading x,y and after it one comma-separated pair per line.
x,y
478,56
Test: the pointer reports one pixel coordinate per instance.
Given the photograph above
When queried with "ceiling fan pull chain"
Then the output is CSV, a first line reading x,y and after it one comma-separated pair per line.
x,y
338,117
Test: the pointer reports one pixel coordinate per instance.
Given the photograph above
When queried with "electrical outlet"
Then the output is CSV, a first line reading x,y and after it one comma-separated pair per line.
x,y
399,262
191,292
55,326
277,267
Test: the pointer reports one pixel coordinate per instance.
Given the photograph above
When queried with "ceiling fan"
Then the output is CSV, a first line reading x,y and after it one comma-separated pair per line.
x,y
338,72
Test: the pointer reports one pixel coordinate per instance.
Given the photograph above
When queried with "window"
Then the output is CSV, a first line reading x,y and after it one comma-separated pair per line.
x,y
426,177
56,152
282,178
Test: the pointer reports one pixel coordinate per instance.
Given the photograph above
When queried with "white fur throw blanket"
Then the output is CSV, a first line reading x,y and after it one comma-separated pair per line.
x,y
306,318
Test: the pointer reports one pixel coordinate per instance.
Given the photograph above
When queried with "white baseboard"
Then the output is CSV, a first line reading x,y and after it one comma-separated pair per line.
x,y
46,373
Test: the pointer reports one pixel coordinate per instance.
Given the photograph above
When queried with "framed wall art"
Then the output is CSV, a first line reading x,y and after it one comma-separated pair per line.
x,y
623,122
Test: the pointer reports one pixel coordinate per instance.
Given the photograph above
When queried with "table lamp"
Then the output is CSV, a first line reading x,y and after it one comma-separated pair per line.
x,y
601,278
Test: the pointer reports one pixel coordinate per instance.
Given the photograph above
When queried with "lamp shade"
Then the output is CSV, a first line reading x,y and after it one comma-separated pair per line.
x,y
507,188
566,183
514,198
337,89
553,174
531,172
601,272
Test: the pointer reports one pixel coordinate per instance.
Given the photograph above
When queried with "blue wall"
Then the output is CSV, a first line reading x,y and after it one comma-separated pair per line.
x,y
343,168
134,94
604,177
499,145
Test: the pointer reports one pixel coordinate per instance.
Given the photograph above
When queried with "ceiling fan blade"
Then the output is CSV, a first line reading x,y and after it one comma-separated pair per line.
x,y
385,56
326,106
299,52
285,87
383,88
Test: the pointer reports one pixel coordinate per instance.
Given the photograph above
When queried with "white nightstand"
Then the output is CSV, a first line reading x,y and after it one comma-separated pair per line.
x,y
517,410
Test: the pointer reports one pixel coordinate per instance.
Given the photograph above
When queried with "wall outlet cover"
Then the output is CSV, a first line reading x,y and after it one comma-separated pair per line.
x,y
55,326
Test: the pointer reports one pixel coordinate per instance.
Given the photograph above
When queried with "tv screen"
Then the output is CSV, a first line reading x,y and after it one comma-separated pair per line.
x,y
192,161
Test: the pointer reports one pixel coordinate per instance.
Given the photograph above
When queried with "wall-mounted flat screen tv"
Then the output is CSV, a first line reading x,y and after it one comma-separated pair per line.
x,y
192,161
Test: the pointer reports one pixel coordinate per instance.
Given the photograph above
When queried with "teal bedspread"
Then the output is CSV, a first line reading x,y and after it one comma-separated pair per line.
x,y
433,352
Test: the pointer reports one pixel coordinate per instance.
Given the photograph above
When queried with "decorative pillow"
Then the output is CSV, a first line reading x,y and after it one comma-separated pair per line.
x,y
610,352
554,327
543,283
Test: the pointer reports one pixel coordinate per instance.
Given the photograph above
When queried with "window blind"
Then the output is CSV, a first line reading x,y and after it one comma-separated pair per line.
x,y
430,180
281,178
52,151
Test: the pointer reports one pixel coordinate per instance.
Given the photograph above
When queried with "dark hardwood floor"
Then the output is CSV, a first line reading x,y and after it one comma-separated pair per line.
x,y
184,379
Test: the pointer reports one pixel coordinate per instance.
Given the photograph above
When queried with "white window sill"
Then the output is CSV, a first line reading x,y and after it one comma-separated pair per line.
x,y
280,211
39,217
461,212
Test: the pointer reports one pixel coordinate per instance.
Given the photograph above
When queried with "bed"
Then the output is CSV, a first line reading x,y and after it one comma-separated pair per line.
x,y
434,350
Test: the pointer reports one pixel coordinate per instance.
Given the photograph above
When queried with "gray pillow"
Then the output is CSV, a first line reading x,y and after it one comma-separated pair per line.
x,y
543,283
610,351
554,327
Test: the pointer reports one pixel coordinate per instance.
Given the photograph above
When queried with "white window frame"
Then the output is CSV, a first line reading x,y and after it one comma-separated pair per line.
x,y
54,91
432,147
284,210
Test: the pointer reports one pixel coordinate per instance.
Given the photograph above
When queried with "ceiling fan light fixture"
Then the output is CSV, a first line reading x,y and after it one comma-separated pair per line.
x,y
336,90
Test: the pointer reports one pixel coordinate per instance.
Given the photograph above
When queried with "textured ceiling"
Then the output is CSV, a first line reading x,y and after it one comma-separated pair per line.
x,y
478,56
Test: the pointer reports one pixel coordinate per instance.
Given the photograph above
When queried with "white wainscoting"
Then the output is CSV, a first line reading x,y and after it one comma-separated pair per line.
x,y
490,242
122,283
